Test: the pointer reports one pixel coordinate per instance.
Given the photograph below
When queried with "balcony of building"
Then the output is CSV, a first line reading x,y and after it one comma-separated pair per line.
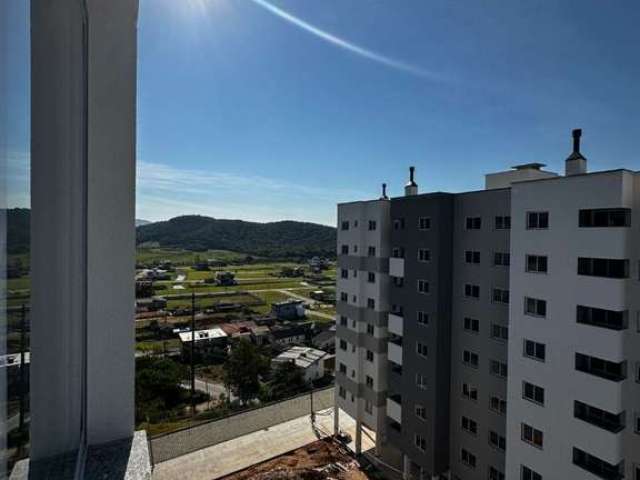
x,y
394,407
396,267
395,325
394,349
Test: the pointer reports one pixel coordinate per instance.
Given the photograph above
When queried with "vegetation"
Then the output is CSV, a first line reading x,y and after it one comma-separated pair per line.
x,y
287,379
158,390
286,239
242,370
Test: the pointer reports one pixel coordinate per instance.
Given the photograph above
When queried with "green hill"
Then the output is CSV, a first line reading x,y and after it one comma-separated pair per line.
x,y
275,239
198,233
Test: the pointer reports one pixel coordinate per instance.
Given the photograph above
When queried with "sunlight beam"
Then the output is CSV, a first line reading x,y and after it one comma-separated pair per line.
x,y
351,47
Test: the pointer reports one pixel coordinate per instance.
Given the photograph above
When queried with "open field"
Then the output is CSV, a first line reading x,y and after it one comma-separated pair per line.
x,y
185,257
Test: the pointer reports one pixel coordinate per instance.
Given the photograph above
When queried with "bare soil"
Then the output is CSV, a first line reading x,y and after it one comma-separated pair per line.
x,y
320,460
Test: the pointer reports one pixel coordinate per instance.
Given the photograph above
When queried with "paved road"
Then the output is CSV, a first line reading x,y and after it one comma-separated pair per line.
x,y
212,388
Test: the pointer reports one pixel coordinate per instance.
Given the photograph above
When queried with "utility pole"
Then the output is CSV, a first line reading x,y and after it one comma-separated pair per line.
x,y
193,344
313,415
23,324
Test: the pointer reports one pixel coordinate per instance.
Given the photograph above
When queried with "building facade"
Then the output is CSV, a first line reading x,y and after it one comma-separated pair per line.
x,y
512,326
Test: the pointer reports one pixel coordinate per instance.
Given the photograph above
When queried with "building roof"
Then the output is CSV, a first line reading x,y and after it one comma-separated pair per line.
x,y
303,357
285,303
209,334
237,328
324,336
291,331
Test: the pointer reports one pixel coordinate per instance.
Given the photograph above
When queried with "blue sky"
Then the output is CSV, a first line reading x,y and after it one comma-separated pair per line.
x,y
265,111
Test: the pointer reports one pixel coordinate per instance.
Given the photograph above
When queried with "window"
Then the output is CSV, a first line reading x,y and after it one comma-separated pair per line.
x,y
499,369
598,417
423,286
371,251
601,368
355,249
470,358
370,329
398,224
501,259
468,458
423,318
398,281
495,474
536,263
534,350
421,349
372,224
369,381
421,381
469,392
497,441
421,412
424,255
345,225
636,424
532,435
344,273
473,223
537,220
371,277
499,332
345,249
500,296
368,407
420,442
535,307
355,224
605,217
344,297
343,368
471,256
354,298
343,320
503,222
343,345
397,252
342,393
603,267
533,393
599,317
469,425
369,356
471,325
472,291
355,274
424,223
371,303
600,468
498,405
527,474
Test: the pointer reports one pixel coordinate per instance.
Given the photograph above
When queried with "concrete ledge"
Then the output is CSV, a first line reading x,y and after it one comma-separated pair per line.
x,y
126,459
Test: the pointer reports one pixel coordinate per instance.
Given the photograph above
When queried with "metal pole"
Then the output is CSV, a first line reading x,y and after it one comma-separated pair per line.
x,y
313,415
23,323
193,343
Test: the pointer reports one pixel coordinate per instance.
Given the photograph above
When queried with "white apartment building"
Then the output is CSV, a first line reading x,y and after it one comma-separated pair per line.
x,y
513,319
361,330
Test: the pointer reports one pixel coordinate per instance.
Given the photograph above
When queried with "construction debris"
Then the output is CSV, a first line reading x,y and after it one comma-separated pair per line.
x,y
321,460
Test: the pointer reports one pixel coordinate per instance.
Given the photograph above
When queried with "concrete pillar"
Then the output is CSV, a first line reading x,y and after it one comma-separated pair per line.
x,y
406,467
358,436
83,90
336,415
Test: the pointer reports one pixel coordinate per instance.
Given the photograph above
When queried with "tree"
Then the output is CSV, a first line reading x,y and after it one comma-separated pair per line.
x,y
287,380
243,369
157,386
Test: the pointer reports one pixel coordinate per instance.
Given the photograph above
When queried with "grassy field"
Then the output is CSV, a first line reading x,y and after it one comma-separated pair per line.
x,y
185,257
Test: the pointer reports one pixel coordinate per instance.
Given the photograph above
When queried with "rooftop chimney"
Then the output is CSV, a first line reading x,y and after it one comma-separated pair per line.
x,y
384,192
411,188
576,164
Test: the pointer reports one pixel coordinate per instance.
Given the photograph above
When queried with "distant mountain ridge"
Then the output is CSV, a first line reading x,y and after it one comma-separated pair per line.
x,y
198,233
285,238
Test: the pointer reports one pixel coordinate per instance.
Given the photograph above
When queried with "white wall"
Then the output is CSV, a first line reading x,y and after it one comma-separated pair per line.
x,y
563,289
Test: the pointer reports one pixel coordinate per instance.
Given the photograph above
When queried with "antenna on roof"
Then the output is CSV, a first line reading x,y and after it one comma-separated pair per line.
x,y
384,192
